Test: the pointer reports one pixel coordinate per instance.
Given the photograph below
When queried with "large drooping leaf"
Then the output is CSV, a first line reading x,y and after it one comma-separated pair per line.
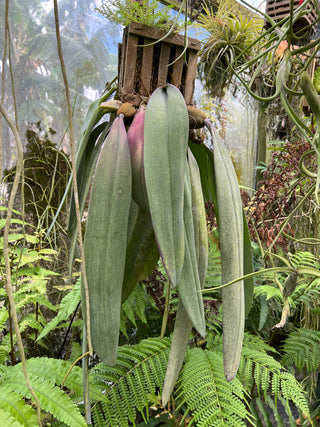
x,y
106,239
165,148
230,212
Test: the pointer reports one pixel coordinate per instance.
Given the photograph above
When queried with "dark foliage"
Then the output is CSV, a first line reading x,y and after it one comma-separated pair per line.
x,y
46,173
282,187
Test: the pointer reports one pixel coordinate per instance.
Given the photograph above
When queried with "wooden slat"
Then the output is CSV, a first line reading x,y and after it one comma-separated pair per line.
x,y
120,65
156,34
278,10
130,64
163,64
176,73
191,72
146,71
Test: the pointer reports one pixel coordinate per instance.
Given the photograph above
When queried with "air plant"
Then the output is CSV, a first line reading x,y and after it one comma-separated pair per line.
x,y
228,35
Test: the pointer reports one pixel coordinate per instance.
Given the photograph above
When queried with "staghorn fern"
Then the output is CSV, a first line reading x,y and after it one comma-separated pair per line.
x,y
130,384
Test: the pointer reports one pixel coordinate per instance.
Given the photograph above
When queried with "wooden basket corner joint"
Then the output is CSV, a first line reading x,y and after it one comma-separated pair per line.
x,y
280,9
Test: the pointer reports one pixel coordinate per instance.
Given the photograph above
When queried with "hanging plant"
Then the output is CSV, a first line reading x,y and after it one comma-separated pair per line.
x,y
228,35
141,12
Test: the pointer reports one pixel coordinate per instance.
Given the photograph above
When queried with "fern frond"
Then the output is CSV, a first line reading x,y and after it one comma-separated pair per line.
x,y
67,306
213,277
5,348
268,291
302,348
307,292
270,379
210,399
292,390
30,322
134,307
137,375
4,315
256,343
7,420
14,406
52,399
97,414
303,259
55,371
35,298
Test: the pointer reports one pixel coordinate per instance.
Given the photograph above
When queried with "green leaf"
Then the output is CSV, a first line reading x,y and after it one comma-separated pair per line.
x,y
14,405
106,239
165,147
67,306
316,80
7,420
211,401
85,172
142,252
52,399
231,233
13,221
204,157
132,382
189,286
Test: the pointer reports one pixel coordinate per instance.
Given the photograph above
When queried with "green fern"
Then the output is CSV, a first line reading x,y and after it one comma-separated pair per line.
x,y
210,399
4,315
268,291
302,348
213,276
12,406
133,307
261,372
67,307
45,375
303,259
129,385
7,420
52,399
5,348
55,371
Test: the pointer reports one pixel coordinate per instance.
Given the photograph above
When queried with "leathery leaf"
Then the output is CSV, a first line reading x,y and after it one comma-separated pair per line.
x,y
105,240
183,325
204,158
189,284
142,252
230,213
165,147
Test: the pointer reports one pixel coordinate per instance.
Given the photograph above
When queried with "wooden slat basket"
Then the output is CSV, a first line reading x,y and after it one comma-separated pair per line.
x,y
279,9
141,69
